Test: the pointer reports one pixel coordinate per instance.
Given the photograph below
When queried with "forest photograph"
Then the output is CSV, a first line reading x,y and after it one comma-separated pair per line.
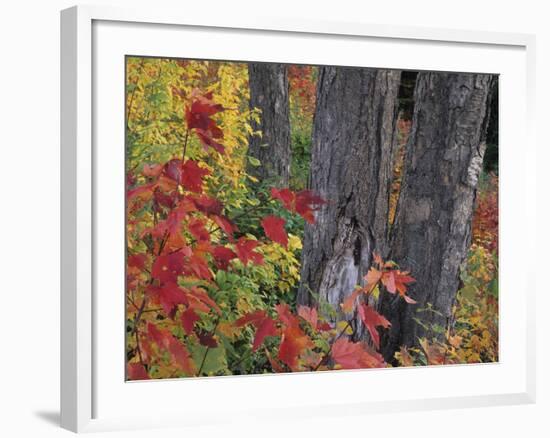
x,y
300,218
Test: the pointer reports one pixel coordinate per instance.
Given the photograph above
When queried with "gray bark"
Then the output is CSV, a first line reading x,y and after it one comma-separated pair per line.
x,y
432,229
269,93
354,135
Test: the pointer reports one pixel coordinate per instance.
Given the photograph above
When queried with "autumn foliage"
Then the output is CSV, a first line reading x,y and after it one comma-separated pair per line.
x,y
213,266
180,235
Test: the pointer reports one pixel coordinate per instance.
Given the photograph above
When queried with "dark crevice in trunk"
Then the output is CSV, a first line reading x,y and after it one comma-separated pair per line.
x,y
352,148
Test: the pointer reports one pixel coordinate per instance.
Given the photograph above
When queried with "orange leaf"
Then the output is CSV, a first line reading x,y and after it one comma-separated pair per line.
x,y
349,302
294,341
352,355
309,314
372,319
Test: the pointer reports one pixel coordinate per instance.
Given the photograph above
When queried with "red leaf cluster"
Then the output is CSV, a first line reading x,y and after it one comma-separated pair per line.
x,y
264,324
274,228
294,341
245,251
354,355
304,202
178,351
198,117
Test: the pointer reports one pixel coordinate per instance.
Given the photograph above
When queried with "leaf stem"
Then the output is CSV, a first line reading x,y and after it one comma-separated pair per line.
x,y
326,356
185,146
212,332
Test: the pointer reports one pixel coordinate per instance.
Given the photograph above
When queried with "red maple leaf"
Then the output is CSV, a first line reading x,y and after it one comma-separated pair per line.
x,y
173,170
223,256
396,281
207,139
200,295
137,371
265,328
137,261
192,176
372,319
353,355
167,342
152,170
139,195
274,228
208,205
304,202
197,114
163,199
167,295
225,224
251,318
264,324
207,339
245,251
168,267
196,265
198,230
293,343
309,314
181,356
286,196
188,319
155,334
198,117
286,316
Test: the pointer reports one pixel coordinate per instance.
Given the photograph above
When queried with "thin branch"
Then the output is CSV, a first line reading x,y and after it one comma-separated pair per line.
x,y
327,355
212,332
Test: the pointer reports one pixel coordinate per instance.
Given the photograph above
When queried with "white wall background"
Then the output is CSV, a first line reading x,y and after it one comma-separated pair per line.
x,y
29,215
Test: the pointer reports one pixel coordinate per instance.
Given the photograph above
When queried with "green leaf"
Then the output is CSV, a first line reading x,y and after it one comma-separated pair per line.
x,y
215,361
376,292
469,292
322,344
254,161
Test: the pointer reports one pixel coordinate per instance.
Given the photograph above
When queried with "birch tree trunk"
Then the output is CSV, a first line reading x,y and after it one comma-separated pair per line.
x,y
432,230
354,135
269,93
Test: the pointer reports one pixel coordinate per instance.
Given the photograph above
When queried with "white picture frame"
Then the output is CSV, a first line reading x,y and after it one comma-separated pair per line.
x,y
92,41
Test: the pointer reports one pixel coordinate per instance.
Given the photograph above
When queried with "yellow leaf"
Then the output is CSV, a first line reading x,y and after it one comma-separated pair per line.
x,y
343,325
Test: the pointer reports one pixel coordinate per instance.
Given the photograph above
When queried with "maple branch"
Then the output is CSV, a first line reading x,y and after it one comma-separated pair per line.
x,y
185,146
243,357
327,355
139,314
212,332
163,243
138,348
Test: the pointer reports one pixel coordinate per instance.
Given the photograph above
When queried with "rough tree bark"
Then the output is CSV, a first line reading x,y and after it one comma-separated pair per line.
x,y
269,93
432,229
354,135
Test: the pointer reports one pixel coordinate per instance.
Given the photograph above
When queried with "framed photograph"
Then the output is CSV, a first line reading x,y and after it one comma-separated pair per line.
x,y
288,218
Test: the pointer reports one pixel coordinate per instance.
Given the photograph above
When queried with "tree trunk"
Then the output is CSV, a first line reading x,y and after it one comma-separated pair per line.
x,y
432,230
354,135
269,93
